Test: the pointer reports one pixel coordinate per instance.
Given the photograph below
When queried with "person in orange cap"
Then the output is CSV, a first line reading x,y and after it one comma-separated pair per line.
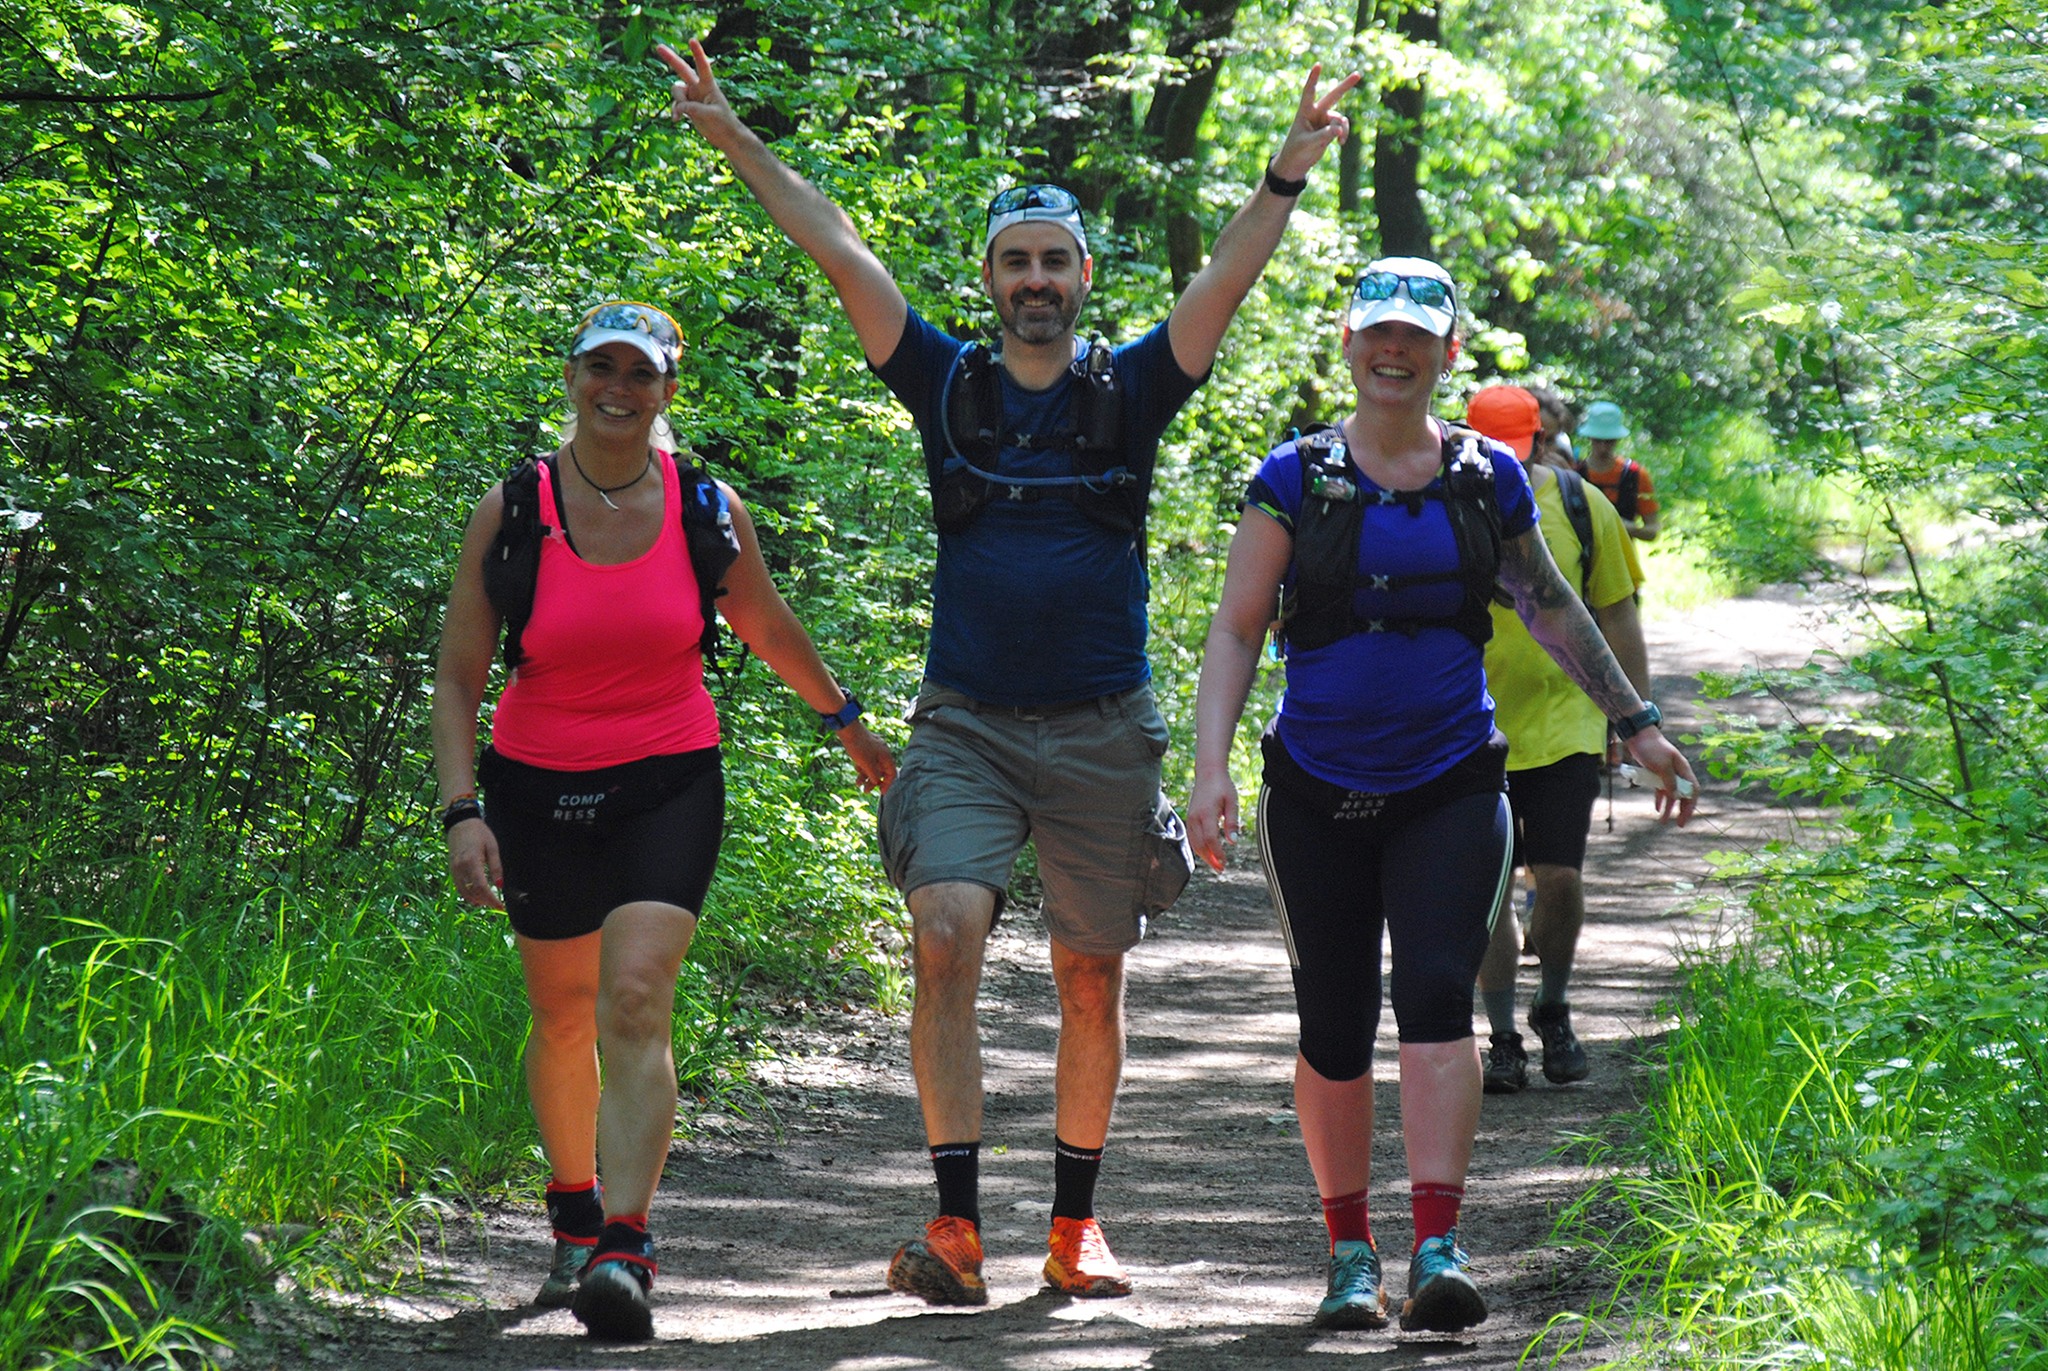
x,y
1557,740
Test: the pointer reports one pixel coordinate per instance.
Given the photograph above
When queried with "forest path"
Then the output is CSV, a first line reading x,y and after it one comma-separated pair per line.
x,y
774,1230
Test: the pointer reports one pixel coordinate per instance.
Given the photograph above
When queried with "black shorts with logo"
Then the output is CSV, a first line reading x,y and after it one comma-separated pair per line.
x,y
578,844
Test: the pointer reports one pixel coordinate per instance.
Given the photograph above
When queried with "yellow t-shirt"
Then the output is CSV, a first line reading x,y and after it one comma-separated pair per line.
x,y
1545,716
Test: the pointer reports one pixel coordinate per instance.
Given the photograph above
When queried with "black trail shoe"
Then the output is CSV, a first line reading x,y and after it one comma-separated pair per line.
x,y
1564,1061
1507,1065
611,1300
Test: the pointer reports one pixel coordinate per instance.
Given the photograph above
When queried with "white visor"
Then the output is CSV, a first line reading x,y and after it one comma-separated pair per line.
x,y
663,358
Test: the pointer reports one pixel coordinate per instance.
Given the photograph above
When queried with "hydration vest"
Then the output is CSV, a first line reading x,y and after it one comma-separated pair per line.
x,y
512,563
971,413
1317,607
1626,490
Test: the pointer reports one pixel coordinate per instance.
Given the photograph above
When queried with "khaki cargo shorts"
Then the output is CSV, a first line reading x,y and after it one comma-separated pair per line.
x,y
1081,781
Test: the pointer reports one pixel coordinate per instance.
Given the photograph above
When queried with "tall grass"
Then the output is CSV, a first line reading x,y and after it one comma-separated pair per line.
x,y
218,1079
1843,1162
189,1063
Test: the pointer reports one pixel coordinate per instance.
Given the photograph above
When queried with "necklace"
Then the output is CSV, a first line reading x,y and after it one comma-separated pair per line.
x,y
605,493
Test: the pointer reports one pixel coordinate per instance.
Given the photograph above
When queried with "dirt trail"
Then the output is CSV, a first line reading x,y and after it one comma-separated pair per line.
x,y
773,1239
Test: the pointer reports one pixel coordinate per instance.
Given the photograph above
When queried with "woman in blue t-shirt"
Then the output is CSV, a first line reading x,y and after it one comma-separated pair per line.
x,y
1383,801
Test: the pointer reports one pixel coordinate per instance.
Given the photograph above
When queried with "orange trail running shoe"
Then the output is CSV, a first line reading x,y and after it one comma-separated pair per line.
x,y
1081,1263
942,1267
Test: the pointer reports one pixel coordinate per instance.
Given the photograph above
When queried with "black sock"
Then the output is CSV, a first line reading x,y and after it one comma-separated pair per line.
x,y
625,1239
576,1214
958,1167
1074,1170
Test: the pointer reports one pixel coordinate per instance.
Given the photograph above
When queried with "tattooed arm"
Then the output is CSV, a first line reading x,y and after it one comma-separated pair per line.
x,y
1558,621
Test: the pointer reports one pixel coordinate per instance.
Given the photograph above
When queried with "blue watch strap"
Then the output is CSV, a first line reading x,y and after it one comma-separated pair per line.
x,y
848,712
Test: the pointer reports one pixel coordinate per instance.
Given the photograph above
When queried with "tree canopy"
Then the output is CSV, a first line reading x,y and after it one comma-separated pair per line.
x,y
285,285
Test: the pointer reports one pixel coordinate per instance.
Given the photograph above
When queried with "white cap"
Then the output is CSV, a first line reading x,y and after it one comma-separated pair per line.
x,y
1438,319
1063,211
663,359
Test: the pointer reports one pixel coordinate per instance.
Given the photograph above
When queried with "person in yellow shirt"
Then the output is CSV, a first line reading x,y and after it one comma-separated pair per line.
x,y
1557,743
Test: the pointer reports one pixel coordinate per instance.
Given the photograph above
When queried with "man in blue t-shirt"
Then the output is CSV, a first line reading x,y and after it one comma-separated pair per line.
x,y
1035,721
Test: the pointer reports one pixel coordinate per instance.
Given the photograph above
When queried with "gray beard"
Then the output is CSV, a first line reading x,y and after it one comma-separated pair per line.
x,y
1041,331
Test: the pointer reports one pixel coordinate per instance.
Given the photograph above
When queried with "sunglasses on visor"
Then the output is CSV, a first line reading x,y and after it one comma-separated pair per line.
x,y
1426,291
629,317
1058,199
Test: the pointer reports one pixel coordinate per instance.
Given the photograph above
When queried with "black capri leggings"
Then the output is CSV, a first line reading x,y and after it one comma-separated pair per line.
x,y
1427,864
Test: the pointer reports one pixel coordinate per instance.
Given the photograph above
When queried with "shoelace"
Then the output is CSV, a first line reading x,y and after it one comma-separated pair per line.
x,y
1354,1268
1094,1246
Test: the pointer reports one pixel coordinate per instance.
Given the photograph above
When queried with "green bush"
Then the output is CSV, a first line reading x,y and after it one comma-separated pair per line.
x,y
1841,1162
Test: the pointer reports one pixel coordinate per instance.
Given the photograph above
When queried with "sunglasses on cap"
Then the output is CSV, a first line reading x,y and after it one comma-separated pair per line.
x,y
629,316
1426,291
1058,199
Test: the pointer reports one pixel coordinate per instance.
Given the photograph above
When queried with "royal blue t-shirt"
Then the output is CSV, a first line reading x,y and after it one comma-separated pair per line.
x,y
1034,604
1388,711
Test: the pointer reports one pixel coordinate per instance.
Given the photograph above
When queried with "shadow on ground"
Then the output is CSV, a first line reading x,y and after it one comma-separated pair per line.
x,y
774,1233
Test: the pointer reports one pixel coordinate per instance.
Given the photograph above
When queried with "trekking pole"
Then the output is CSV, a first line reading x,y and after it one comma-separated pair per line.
x,y
1606,756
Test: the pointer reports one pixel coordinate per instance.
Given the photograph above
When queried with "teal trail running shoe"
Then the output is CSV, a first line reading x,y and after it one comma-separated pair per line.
x,y
1356,1298
1441,1297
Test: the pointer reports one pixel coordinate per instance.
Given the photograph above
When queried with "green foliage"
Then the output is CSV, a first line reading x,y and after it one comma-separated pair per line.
x,y
1841,1160
255,1059
283,287
1736,510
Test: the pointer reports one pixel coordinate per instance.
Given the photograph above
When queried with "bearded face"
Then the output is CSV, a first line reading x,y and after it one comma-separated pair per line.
x,y
1038,279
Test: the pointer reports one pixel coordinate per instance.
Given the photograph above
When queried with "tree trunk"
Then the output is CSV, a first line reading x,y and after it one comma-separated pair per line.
x,y
741,29
1087,123
1173,124
1351,155
1397,149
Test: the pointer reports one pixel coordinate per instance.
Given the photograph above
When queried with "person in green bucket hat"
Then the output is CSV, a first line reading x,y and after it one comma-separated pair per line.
x,y
1625,482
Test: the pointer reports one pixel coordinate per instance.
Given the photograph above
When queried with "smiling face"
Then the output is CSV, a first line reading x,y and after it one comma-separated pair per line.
x,y
1396,364
617,392
1038,279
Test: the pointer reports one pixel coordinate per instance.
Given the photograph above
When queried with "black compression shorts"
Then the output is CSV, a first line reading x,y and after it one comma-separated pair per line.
x,y
568,865
1553,810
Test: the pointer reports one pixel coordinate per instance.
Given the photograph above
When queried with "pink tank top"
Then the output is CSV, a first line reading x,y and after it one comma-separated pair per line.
x,y
614,670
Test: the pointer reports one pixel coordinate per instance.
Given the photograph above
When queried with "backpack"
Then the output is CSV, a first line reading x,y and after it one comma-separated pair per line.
x,y
1571,489
1626,490
512,563
1316,609
971,414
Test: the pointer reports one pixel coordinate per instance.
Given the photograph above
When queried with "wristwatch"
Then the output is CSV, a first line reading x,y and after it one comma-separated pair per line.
x,y
1649,716
848,712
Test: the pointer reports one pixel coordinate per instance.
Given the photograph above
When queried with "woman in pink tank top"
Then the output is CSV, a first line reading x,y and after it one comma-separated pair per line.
x,y
605,790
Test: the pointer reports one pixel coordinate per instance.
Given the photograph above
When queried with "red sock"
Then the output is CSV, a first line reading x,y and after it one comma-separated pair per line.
x,y
1436,1209
1347,1220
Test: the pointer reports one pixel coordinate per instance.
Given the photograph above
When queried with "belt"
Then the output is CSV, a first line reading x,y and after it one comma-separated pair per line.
x,y
1032,714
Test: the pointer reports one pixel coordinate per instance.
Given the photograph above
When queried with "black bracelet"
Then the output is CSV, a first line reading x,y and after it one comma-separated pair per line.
x,y
1286,190
848,712
460,810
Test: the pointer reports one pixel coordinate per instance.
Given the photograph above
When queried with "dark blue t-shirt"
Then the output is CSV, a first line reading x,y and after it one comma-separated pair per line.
x,y
1388,711
1033,603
